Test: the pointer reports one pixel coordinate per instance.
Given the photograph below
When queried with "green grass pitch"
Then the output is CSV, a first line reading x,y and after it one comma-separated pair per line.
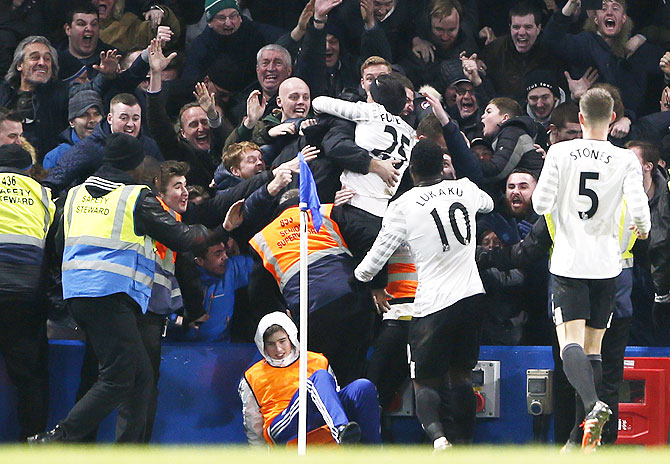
x,y
324,455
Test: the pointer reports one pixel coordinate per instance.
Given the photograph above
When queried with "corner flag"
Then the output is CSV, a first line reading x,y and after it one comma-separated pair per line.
x,y
309,198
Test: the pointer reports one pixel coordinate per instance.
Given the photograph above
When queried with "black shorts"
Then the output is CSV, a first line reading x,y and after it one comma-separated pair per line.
x,y
448,338
589,299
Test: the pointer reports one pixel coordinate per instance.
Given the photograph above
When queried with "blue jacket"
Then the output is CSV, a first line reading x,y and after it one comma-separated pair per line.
x,y
220,299
69,139
85,158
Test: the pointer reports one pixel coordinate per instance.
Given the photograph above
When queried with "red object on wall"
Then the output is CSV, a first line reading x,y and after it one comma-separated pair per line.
x,y
481,401
644,419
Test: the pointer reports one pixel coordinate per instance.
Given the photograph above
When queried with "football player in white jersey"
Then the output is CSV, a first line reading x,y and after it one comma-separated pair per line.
x,y
437,219
582,185
381,131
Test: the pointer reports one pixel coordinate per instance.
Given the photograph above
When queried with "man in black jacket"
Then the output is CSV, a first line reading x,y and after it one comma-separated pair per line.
x,y
108,310
83,45
323,44
443,33
227,33
32,89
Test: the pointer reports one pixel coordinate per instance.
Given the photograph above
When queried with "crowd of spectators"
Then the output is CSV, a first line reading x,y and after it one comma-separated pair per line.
x,y
225,87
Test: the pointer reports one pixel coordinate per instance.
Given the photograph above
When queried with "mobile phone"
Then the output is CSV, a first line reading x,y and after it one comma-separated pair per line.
x,y
592,4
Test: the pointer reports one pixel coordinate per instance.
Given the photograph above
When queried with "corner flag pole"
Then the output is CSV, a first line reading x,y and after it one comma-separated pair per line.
x,y
309,200
302,369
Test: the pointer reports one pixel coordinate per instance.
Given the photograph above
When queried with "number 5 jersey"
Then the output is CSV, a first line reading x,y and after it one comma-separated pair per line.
x,y
438,223
384,136
582,184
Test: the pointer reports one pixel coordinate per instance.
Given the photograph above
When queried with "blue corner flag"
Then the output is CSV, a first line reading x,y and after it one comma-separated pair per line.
x,y
309,198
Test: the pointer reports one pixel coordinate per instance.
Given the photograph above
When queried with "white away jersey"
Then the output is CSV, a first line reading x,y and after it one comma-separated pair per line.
x,y
581,185
438,223
384,136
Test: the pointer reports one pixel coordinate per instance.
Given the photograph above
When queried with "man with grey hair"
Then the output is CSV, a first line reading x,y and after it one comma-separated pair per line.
x,y
273,66
31,88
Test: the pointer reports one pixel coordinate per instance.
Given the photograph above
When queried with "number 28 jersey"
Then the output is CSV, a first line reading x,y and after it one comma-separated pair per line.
x,y
438,223
384,136
582,184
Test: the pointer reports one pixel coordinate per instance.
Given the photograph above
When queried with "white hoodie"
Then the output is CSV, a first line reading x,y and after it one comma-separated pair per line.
x,y
291,330
251,410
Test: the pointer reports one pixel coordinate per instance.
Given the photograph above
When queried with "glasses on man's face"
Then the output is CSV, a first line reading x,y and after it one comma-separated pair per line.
x,y
460,91
232,17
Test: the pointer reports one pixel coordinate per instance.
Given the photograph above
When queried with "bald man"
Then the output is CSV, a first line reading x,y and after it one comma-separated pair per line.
x,y
294,98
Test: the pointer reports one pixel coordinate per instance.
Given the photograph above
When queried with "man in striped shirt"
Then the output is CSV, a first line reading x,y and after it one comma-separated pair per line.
x,y
581,186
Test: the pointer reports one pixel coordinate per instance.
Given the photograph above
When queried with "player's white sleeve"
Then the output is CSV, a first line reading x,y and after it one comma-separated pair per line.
x,y
251,414
636,198
546,190
353,111
391,235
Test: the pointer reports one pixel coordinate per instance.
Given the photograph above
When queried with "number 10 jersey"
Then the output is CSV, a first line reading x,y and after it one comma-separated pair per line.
x,y
582,184
438,223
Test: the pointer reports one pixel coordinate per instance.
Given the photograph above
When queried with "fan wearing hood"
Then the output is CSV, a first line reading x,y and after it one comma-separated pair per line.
x,y
269,394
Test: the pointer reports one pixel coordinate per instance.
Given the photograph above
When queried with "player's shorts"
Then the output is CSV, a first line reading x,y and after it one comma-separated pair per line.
x,y
448,338
589,299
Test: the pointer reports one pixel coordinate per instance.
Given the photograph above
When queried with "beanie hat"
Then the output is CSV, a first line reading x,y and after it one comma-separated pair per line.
x,y
81,101
212,7
123,151
15,156
389,92
542,78
333,29
227,74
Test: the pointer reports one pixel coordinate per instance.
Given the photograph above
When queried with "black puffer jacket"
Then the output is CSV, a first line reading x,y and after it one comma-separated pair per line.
x,y
513,148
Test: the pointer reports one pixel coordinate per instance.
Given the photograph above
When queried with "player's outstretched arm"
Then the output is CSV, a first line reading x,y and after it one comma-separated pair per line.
x,y
352,111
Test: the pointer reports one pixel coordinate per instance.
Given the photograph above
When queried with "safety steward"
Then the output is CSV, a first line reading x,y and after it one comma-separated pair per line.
x,y
269,393
340,316
108,271
26,213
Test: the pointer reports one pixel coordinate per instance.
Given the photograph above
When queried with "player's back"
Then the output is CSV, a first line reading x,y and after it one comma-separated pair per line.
x,y
587,178
441,232
385,136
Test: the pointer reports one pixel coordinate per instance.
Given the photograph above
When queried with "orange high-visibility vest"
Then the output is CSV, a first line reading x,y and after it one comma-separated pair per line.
x,y
162,250
278,244
273,387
